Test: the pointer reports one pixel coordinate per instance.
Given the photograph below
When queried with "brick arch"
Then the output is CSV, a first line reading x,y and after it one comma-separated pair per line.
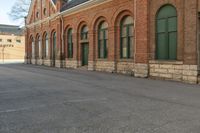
x,y
97,21
31,37
121,15
44,34
78,34
37,35
118,17
51,33
30,40
67,27
95,26
80,25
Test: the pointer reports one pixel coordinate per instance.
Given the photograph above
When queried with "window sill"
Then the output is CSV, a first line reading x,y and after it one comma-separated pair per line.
x,y
126,60
84,41
174,62
69,59
102,59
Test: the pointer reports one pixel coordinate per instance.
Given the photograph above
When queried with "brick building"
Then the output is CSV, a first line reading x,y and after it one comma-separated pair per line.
x,y
144,38
12,44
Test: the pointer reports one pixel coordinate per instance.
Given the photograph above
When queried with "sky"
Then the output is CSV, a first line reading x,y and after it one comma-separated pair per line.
x,y
5,7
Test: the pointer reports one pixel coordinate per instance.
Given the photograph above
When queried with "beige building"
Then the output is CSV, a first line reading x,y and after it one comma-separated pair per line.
x,y
12,44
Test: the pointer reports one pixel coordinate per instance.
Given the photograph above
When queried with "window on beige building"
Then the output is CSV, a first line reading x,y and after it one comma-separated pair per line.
x,y
18,41
9,40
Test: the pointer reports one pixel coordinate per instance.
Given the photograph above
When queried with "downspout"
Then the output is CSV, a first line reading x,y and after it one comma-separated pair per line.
x,y
198,38
198,41
135,42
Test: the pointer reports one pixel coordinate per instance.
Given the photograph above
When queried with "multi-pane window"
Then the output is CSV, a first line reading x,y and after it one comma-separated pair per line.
x,y
46,46
54,45
84,33
69,44
127,38
103,40
33,48
166,33
39,47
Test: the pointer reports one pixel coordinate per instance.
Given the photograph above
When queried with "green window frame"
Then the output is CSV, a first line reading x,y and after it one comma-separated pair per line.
x,y
46,46
126,38
39,47
32,48
166,33
70,43
103,40
54,50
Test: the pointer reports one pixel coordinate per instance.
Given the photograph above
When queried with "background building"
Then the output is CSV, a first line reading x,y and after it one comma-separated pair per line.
x,y
12,44
144,38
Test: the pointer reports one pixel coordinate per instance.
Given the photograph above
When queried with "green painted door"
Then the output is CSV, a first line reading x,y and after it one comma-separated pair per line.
x,y
166,33
85,53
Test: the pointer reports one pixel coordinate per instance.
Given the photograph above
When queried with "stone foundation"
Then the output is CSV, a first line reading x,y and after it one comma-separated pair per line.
x,y
71,64
47,62
33,61
176,71
39,61
105,66
190,73
59,63
91,65
125,67
27,61
141,70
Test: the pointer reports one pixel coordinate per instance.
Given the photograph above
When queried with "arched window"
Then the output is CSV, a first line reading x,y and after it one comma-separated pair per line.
x,y
46,50
33,48
166,33
103,40
127,40
39,47
54,45
84,33
69,43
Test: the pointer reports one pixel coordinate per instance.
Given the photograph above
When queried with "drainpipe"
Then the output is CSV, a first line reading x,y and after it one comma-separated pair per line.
x,y
135,31
198,42
135,18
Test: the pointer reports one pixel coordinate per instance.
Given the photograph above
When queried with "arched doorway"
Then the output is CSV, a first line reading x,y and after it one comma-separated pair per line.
x,y
84,46
166,33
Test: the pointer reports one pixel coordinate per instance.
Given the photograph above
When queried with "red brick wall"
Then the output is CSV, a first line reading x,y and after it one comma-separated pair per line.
x,y
144,14
187,28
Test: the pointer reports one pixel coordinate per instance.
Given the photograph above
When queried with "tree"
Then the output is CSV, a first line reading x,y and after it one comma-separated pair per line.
x,y
19,10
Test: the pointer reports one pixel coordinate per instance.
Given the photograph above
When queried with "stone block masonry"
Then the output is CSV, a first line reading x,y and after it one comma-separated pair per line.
x,y
173,71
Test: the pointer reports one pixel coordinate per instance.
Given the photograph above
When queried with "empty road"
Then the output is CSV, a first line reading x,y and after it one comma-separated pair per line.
x,y
38,99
